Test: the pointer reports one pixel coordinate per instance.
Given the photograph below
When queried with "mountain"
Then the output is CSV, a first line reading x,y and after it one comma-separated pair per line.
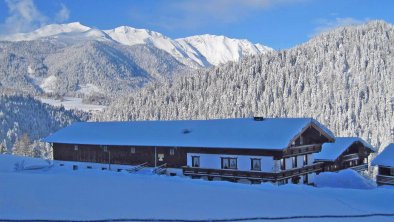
x,y
38,66
67,58
216,50
344,78
195,51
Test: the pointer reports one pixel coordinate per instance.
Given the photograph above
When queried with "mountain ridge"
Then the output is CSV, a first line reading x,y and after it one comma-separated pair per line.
x,y
190,51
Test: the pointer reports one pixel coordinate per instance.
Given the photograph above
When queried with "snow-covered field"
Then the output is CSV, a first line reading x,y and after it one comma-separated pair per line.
x,y
73,103
57,192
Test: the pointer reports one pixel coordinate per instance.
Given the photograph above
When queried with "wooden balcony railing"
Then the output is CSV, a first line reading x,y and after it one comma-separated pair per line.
x,y
361,167
353,156
385,180
251,175
304,149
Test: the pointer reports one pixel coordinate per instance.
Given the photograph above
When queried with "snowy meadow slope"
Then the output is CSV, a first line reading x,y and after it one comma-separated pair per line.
x,y
344,78
60,193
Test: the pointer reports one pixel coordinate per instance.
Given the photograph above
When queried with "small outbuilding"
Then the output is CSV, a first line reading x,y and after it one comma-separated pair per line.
x,y
385,163
345,152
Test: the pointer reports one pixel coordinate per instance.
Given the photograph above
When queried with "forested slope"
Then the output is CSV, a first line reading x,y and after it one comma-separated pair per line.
x,y
343,78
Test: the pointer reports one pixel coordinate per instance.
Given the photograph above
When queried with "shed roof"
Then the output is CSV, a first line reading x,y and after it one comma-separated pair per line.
x,y
386,157
269,133
331,151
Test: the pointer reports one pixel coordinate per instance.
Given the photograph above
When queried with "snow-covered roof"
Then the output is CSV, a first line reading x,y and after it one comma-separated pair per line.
x,y
386,157
270,133
331,151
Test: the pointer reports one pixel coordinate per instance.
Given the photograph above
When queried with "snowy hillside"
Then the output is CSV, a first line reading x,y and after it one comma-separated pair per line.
x,y
343,78
24,115
58,192
57,67
194,51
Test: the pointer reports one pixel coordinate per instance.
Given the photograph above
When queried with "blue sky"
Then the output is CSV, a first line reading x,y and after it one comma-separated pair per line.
x,y
276,23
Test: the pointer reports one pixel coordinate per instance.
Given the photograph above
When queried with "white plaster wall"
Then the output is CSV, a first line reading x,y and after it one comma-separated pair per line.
x,y
213,161
300,161
311,159
289,163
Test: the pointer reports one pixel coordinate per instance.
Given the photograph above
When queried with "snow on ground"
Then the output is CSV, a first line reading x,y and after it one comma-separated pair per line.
x,y
73,103
61,193
344,179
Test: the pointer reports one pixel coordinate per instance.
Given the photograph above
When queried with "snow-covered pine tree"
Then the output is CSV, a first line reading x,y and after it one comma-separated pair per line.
x,y
344,78
22,146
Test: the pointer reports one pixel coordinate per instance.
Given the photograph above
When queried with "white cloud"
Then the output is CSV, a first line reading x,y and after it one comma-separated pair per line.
x,y
63,14
326,24
23,16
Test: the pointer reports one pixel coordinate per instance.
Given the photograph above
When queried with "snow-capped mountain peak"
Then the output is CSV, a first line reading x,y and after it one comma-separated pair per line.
x,y
195,51
131,36
221,49
46,31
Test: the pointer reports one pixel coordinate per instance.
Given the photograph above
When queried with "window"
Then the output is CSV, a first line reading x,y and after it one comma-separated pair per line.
x,y
195,161
132,150
75,147
229,163
172,151
294,161
305,160
255,164
283,164
301,140
105,148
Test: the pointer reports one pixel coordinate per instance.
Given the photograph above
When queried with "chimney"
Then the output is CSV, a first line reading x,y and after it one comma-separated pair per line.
x,y
258,118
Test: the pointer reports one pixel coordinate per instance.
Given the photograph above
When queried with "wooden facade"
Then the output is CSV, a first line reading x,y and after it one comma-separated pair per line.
x,y
174,157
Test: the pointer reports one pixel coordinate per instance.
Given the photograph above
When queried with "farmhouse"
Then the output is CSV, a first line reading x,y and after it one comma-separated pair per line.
x,y
278,150
345,152
385,163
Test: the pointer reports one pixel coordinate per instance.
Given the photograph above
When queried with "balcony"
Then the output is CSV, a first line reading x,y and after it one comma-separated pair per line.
x,y
300,150
251,175
361,167
385,180
349,157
